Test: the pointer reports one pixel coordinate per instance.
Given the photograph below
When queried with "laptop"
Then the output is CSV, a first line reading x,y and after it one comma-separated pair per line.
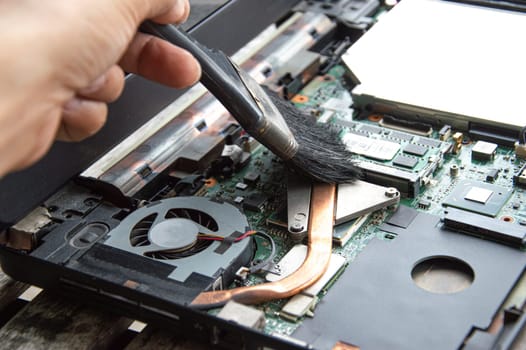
x,y
175,216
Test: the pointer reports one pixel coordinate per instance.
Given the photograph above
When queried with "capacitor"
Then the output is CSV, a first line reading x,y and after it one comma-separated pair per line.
x,y
245,143
453,170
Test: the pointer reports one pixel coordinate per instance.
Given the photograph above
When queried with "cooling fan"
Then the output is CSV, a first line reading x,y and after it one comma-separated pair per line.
x,y
172,231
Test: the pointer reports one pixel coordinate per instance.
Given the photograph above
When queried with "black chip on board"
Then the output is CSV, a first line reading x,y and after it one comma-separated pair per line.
x,y
424,204
416,150
403,217
400,136
346,123
428,142
492,175
406,162
370,129
254,203
251,178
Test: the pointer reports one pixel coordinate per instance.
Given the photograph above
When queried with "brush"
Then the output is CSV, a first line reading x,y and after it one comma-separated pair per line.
x,y
311,148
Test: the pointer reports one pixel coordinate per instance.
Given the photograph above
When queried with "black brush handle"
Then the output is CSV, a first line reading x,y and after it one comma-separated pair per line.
x,y
219,75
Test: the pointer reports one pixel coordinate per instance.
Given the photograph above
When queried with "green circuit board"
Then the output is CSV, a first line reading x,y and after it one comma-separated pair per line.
x,y
327,97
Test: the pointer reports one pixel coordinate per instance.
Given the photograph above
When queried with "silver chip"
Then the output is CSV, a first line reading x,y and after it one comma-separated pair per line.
x,y
477,194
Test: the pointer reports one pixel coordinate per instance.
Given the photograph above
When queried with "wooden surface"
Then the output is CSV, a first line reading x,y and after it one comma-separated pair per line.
x,y
49,321
154,338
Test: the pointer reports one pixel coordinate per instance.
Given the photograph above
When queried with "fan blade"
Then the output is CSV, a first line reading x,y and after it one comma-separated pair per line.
x,y
141,250
204,230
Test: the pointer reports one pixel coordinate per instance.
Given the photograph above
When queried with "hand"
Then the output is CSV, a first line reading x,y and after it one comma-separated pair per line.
x,y
61,62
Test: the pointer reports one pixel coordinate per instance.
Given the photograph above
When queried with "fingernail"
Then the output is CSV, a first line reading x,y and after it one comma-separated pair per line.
x,y
183,6
198,72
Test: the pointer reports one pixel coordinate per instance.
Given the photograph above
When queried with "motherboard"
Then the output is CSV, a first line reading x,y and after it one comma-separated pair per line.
x,y
438,169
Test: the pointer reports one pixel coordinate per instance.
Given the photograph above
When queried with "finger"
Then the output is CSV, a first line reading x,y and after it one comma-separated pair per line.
x,y
177,14
81,118
161,61
162,11
106,88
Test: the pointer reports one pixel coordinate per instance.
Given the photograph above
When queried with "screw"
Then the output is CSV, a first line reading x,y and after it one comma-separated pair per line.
x,y
296,227
391,192
453,170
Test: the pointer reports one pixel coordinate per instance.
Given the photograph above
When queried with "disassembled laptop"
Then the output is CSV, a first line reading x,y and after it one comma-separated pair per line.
x,y
428,246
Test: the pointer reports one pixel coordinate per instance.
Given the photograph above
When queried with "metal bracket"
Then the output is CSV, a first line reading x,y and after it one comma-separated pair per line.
x,y
298,205
360,197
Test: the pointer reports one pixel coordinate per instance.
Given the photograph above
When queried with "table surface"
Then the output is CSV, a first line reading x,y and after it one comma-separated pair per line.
x,y
34,319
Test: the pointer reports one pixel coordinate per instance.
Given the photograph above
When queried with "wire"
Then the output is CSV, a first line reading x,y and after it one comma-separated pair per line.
x,y
269,258
260,265
210,237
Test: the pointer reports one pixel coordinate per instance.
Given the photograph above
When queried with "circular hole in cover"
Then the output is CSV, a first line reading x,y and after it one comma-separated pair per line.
x,y
442,275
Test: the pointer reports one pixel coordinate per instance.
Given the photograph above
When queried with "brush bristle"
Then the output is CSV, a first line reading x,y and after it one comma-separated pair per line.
x,y
321,154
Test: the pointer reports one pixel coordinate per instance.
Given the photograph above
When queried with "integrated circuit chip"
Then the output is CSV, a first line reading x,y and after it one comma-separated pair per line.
x,y
400,136
492,175
402,217
371,129
405,161
424,204
416,150
241,186
483,150
368,147
251,178
478,197
428,142
345,123
254,202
